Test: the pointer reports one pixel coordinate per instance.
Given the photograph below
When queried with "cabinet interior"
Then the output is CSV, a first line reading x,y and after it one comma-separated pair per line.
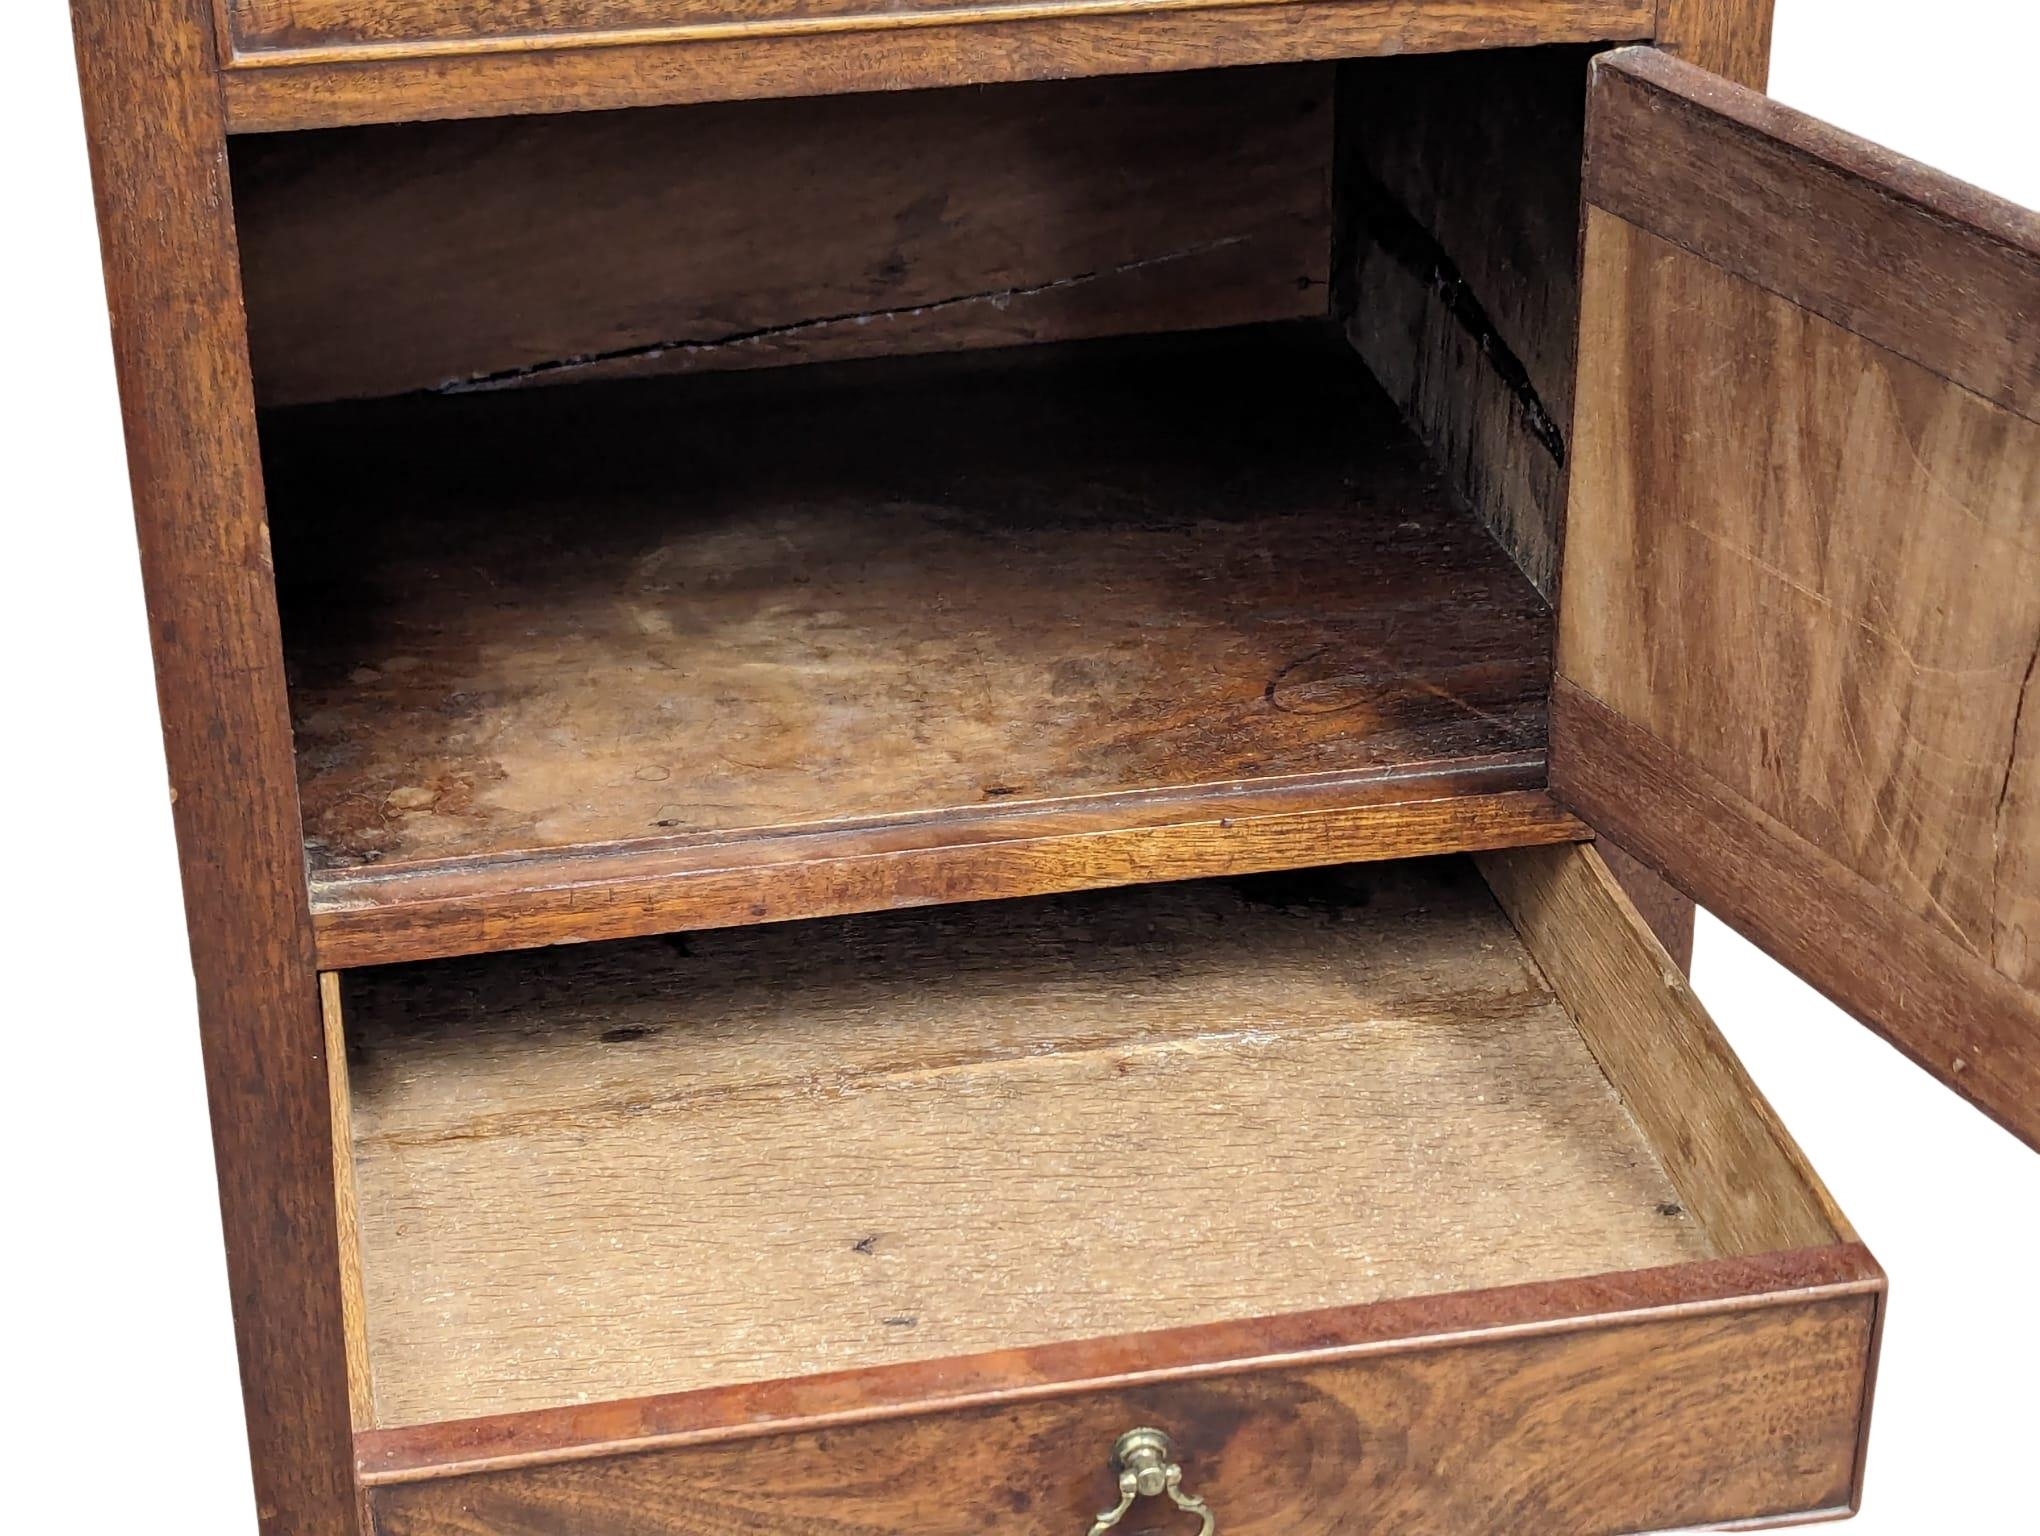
x,y
737,605
1067,456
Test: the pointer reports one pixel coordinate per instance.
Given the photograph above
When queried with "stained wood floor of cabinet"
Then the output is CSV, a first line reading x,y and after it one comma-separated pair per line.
x,y
528,630
615,1170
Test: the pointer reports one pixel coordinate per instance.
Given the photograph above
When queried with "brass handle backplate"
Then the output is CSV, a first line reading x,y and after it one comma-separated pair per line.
x,y
1147,1467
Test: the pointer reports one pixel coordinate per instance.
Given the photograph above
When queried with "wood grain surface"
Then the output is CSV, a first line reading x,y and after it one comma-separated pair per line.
x,y
1876,573
152,114
1731,38
1456,268
331,86
338,27
941,601
1807,566
1677,1422
1912,261
1465,303
1852,937
486,905
1548,1308
611,1172
1804,542
1735,1165
383,260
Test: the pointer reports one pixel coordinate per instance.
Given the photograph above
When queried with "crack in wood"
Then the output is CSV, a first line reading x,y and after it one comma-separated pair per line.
x,y
1405,241
2004,798
507,378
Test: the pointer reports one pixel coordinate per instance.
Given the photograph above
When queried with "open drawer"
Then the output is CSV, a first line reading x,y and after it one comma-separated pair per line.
x,y
1393,1207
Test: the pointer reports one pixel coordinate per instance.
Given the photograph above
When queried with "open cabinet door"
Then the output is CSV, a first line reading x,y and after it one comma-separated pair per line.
x,y
1799,609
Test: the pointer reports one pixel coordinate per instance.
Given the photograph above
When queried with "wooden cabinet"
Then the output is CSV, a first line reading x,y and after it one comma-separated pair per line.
x,y
881,784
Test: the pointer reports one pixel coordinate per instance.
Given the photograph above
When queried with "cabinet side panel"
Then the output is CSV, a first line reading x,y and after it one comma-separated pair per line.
x,y
153,117
1456,268
1456,275
1730,37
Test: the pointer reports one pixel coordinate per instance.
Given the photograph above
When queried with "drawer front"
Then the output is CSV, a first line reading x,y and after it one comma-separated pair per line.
x,y
275,25
1674,1422
323,63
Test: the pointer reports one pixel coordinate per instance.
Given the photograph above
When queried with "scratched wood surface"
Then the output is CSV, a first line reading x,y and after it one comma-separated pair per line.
x,y
612,1171
705,613
594,244
1682,1422
278,82
1560,1310
1803,562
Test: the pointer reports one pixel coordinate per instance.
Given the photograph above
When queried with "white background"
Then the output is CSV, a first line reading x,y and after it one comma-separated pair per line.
x,y
120,1401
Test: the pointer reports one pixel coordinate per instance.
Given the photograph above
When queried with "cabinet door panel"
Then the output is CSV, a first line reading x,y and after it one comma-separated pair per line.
x,y
1800,602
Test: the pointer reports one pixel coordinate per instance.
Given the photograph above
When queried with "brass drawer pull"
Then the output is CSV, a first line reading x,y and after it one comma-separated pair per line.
x,y
1147,1466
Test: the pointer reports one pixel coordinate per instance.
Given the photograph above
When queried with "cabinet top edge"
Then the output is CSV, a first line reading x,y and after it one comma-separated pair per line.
x,y
338,83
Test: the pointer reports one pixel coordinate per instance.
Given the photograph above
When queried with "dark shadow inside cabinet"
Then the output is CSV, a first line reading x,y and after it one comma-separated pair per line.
x,y
793,494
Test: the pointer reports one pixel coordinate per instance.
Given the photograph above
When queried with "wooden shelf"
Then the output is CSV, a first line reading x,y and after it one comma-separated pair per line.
x,y
578,663
609,1172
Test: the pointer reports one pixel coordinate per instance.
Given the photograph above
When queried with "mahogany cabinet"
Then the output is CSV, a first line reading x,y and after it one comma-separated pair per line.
x,y
924,751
